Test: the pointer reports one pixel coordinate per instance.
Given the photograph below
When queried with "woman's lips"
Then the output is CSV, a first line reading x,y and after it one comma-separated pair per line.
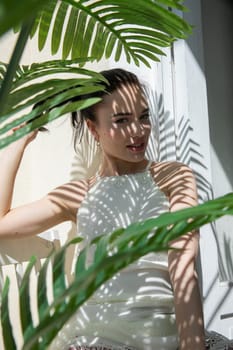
x,y
136,147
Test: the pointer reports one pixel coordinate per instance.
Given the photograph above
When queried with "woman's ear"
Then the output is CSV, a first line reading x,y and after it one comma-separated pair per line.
x,y
92,128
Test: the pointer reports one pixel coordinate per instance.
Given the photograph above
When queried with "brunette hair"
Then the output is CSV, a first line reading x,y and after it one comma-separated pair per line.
x,y
115,78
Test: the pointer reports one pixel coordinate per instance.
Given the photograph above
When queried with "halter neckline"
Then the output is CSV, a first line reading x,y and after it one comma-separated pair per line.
x,y
98,176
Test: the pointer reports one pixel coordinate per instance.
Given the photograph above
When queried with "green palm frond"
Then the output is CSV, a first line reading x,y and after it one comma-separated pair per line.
x,y
7,332
104,27
81,29
112,253
13,12
54,97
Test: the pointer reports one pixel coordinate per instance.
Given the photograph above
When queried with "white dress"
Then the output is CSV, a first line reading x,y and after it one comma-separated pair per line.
x,y
135,309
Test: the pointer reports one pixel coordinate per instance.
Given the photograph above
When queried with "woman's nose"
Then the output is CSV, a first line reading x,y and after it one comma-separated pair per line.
x,y
137,129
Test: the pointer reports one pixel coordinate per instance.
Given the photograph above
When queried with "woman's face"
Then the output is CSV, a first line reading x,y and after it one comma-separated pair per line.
x,y
122,124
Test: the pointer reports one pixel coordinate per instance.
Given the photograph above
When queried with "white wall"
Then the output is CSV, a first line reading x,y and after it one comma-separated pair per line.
x,y
218,42
209,85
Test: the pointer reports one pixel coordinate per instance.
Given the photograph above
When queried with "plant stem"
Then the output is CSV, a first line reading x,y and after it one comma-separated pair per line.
x,y
14,62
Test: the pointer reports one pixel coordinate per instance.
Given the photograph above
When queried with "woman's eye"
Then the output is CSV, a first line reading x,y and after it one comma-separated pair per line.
x,y
145,116
120,121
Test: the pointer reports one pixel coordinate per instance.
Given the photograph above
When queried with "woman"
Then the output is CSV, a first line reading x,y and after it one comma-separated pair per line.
x,y
155,301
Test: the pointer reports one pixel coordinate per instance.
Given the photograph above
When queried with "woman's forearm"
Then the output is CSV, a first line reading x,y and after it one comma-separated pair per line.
x,y
10,159
188,305
190,319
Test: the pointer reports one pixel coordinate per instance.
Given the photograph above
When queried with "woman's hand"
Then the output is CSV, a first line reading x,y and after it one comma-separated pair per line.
x,y
26,139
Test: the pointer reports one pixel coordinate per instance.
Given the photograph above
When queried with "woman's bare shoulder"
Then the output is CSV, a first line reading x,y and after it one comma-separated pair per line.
x,y
169,168
171,174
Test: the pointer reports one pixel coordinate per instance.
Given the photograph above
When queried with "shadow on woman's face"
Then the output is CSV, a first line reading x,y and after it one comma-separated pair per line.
x,y
123,124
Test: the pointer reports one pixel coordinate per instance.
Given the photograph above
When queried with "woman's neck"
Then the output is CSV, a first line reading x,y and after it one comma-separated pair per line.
x,y
121,167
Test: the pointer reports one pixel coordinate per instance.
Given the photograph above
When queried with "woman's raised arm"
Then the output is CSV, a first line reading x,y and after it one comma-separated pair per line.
x,y
57,206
